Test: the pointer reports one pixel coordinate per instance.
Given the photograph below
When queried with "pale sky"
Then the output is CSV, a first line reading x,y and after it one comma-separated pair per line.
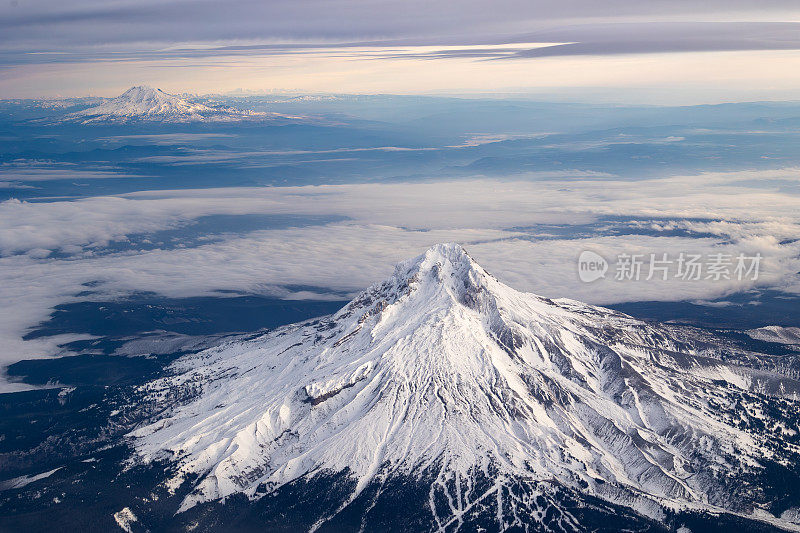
x,y
621,50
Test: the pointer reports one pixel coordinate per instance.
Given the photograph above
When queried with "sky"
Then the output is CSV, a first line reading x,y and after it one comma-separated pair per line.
x,y
644,52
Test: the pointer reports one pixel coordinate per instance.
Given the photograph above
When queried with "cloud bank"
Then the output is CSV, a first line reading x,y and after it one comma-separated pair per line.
x,y
528,233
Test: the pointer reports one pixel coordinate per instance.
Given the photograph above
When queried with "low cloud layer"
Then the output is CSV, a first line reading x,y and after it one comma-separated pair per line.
x,y
480,204
519,230
24,171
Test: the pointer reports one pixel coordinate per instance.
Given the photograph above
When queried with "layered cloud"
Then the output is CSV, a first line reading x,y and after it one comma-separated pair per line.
x,y
338,260
528,233
311,44
26,170
729,198
92,22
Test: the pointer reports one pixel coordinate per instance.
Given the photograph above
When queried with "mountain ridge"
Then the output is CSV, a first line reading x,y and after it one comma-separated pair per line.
x,y
142,102
442,372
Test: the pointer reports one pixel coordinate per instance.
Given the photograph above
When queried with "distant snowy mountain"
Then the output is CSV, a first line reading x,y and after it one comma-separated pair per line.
x,y
443,400
143,103
777,334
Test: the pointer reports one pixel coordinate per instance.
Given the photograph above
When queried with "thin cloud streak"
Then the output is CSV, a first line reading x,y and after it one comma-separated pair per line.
x,y
201,36
586,39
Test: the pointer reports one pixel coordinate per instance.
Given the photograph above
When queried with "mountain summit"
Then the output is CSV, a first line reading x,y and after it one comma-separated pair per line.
x,y
146,103
481,405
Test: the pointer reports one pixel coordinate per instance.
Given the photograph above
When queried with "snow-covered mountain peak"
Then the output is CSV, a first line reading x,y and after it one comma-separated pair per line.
x,y
451,253
149,95
445,267
442,261
146,103
442,371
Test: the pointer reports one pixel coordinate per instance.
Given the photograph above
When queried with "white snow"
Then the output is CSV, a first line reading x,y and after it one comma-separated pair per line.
x,y
146,103
21,481
442,368
781,335
124,519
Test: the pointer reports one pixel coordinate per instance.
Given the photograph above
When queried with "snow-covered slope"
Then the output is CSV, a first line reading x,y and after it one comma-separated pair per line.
x,y
441,373
145,103
777,334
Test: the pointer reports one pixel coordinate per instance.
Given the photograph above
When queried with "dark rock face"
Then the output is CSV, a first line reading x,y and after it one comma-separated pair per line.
x,y
86,496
